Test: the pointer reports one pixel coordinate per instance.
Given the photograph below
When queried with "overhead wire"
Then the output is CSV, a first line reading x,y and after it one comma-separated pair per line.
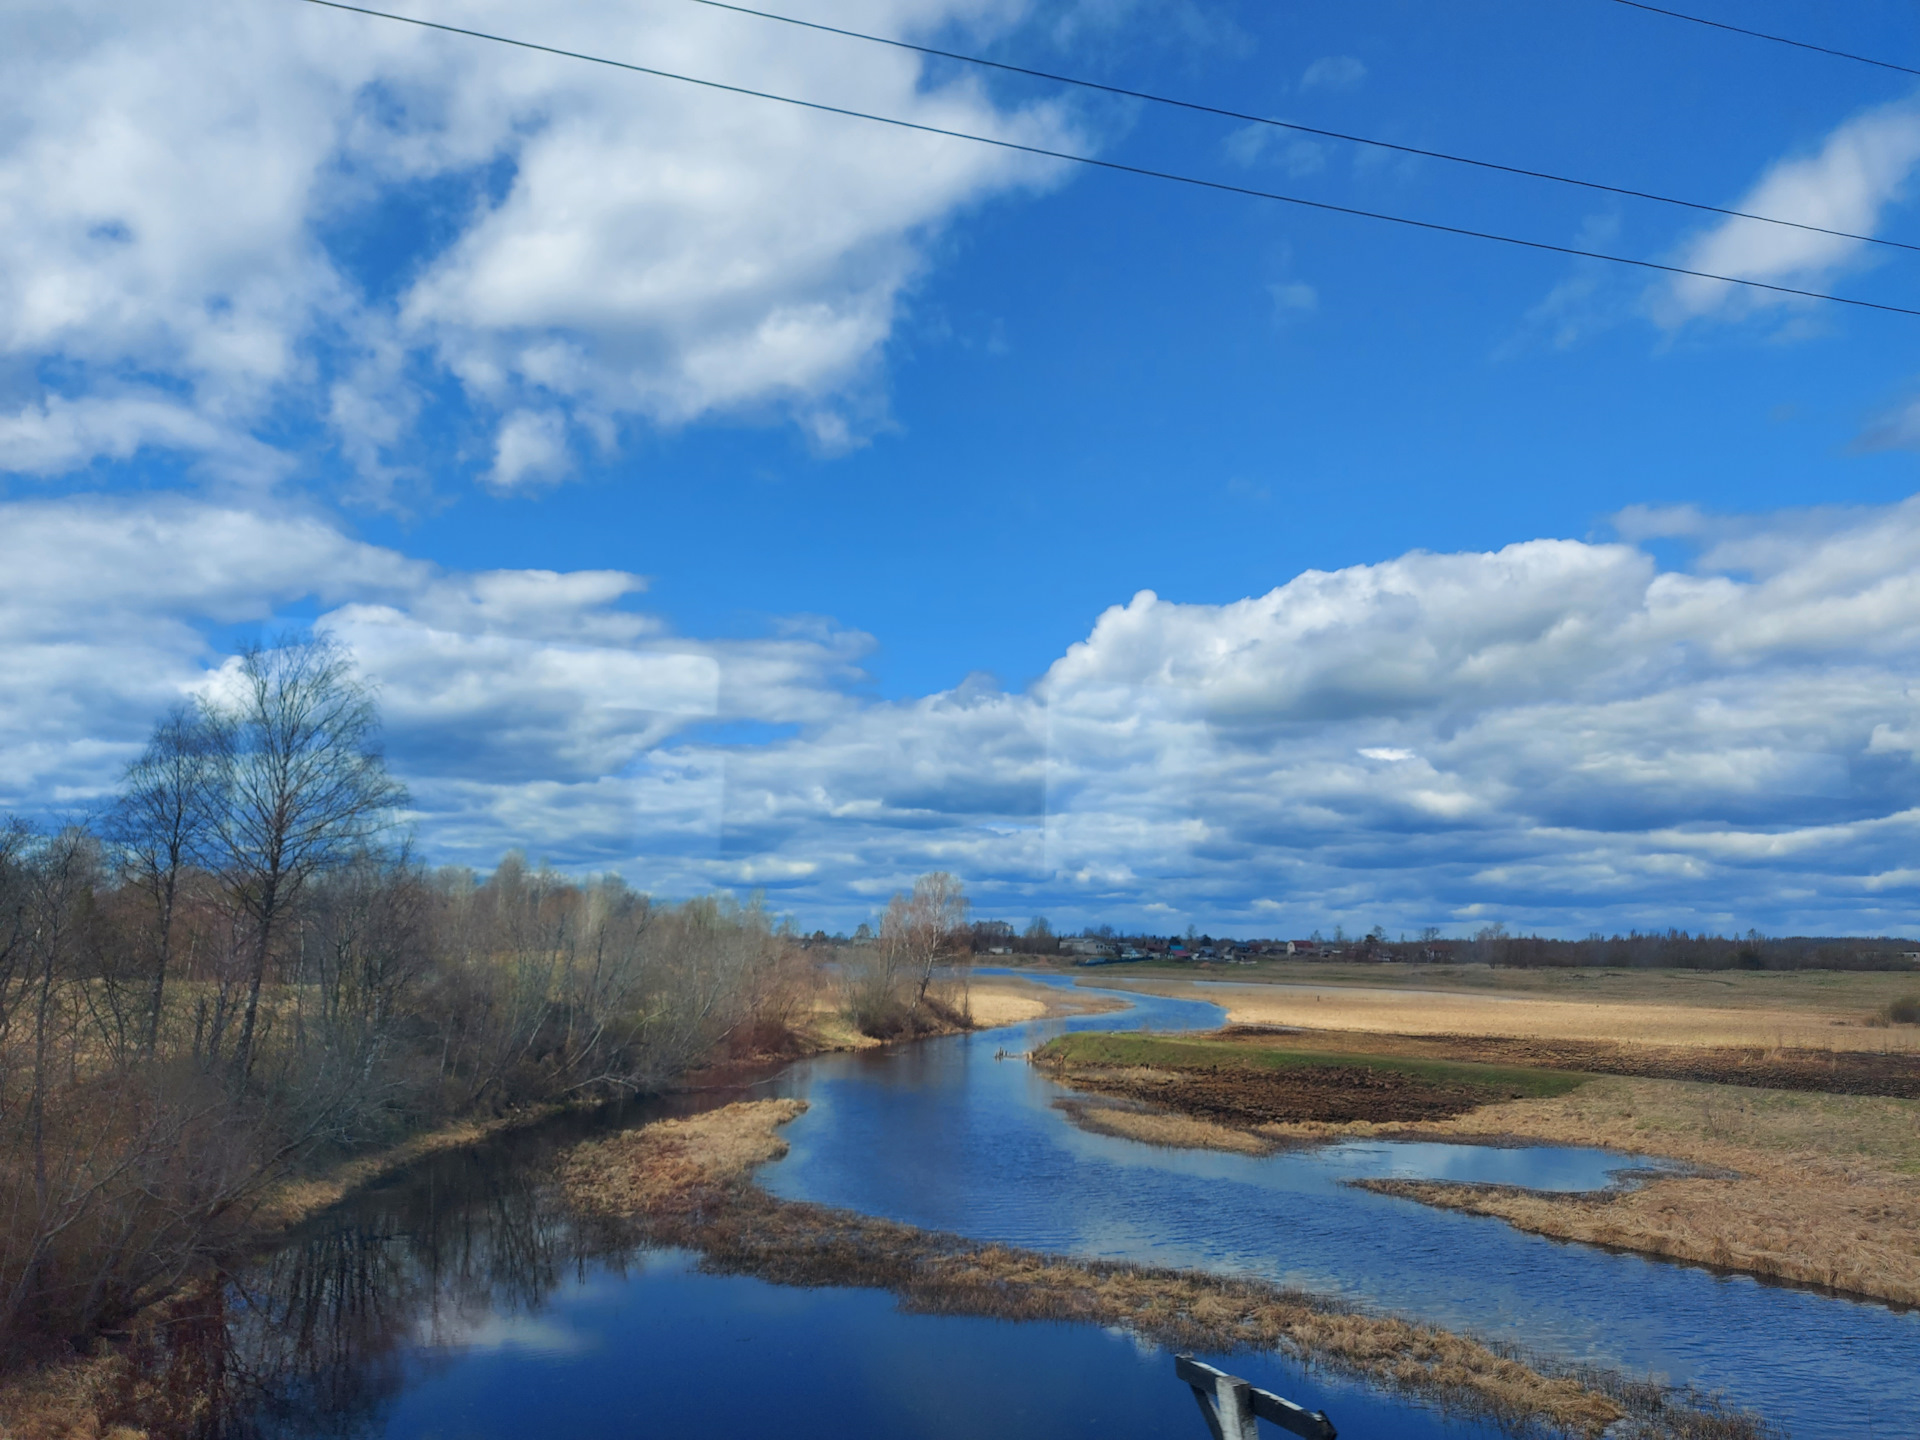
x,y
1116,166
1763,35
1222,112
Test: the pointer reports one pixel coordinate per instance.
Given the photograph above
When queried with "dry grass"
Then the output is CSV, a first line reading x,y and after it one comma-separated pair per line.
x,y
1846,992
1010,1000
1834,1019
687,1183
1828,1187
1131,1121
824,1028
672,1166
66,1402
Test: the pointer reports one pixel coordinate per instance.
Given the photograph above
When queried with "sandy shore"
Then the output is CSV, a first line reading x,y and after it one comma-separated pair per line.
x,y
1011,1000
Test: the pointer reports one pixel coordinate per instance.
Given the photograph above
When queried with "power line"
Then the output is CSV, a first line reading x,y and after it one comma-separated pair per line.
x,y
1115,165
1202,109
1763,35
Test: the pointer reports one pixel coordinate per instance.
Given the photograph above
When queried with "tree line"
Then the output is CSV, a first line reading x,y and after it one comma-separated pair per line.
x,y
241,968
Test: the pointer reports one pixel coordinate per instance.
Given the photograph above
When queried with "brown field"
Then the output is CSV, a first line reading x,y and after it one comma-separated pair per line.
x,y
1852,992
687,1183
1811,1010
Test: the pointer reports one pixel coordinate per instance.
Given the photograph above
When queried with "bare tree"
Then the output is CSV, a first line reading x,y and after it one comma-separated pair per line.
x,y
303,786
924,928
160,825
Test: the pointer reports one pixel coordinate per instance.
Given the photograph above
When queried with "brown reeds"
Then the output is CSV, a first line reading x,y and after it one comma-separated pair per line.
x,y
1819,1190
1131,1120
687,1183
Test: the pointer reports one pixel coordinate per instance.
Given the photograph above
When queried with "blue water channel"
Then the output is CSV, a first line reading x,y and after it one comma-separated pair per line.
x,y
945,1135
460,1304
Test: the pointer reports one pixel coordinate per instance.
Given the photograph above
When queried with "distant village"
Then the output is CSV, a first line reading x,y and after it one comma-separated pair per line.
x,y
1104,946
1489,945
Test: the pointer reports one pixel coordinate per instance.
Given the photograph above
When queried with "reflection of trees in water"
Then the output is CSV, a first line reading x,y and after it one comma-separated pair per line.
x,y
320,1337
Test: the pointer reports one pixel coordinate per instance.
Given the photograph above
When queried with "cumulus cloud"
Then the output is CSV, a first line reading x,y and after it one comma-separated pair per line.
x,y
184,203
531,449
1559,734
1556,733
515,701
1861,169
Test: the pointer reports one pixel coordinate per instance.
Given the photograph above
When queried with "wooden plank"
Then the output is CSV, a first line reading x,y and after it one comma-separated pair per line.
x,y
1309,1424
1231,1405
1226,1401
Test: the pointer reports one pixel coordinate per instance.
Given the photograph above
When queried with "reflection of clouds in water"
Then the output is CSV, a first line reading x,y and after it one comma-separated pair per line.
x,y
490,1330
1538,1167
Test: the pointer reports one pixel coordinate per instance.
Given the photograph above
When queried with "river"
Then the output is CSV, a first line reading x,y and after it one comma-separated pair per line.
x,y
461,1301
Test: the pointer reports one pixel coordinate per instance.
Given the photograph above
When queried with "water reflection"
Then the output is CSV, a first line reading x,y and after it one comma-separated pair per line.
x,y
466,1301
319,1338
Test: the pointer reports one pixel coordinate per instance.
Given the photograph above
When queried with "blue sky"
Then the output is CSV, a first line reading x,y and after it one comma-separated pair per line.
x,y
736,496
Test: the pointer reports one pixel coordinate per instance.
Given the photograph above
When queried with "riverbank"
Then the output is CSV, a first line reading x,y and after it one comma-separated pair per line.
x,y
83,1397
1805,1187
689,1184
93,1396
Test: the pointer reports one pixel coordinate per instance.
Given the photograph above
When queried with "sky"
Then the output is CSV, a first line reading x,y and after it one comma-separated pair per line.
x,y
734,495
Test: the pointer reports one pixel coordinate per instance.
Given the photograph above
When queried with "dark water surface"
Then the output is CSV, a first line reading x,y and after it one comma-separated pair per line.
x,y
461,1301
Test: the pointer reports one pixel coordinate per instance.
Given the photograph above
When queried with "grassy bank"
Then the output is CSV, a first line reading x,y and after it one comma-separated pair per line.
x,y
1224,1081
688,1183
1109,1048
1811,1188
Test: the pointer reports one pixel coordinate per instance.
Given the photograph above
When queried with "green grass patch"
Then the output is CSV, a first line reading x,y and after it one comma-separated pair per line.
x,y
1164,1052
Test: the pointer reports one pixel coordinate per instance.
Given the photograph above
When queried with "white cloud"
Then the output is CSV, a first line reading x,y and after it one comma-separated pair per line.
x,y
1557,732
531,449
1333,72
173,186
1862,168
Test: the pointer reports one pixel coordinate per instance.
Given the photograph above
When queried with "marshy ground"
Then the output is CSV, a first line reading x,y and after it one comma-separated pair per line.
x,y
1805,1159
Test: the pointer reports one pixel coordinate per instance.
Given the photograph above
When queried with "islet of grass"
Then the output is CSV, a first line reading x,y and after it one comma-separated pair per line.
x,y
1120,1049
